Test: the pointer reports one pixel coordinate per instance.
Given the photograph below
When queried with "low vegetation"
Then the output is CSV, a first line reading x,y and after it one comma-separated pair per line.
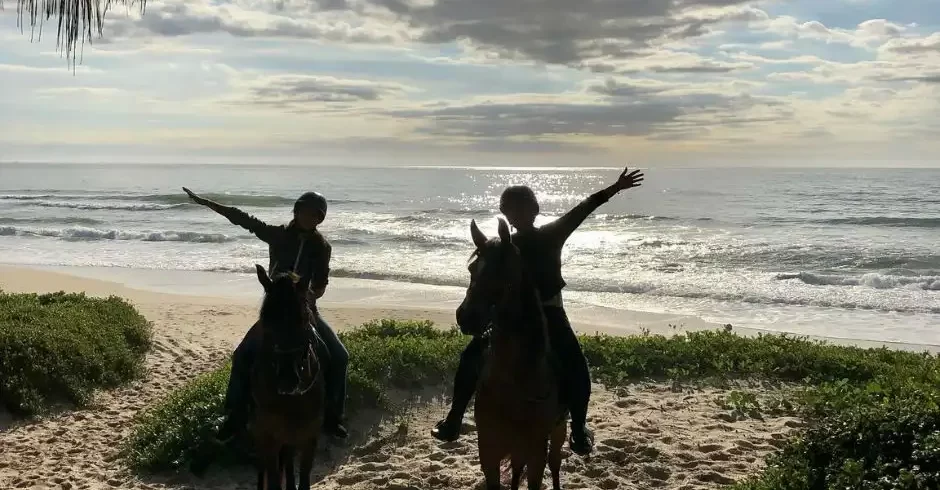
x,y
873,419
387,355
58,348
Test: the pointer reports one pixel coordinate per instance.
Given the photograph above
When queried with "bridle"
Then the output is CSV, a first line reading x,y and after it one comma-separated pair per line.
x,y
311,361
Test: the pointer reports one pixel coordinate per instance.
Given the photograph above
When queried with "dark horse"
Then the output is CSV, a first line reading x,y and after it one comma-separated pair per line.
x,y
517,406
286,384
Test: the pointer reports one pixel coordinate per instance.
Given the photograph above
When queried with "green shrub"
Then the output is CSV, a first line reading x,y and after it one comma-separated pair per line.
x,y
722,354
58,348
385,354
884,435
393,354
173,431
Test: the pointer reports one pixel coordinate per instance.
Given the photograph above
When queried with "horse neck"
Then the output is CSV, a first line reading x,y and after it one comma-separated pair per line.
x,y
273,312
525,331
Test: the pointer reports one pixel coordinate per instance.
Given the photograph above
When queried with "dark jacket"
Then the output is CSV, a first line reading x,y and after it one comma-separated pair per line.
x,y
307,253
541,248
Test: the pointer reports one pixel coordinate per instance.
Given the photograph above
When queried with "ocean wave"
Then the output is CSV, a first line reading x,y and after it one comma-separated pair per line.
x,y
102,205
873,280
251,200
65,220
357,274
431,214
155,201
92,234
398,277
919,263
347,241
655,243
637,217
755,297
24,197
889,221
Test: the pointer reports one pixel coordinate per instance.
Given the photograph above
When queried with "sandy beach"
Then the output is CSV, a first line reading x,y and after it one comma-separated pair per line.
x,y
648,435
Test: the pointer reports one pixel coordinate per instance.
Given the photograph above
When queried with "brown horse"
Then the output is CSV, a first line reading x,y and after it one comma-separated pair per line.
x,y
517,408
286,384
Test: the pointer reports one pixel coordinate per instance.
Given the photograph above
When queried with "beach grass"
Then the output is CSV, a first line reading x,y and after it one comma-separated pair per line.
x,y
872,415
56,349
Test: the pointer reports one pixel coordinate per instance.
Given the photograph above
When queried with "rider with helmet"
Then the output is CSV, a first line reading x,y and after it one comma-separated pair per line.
x,y
296,247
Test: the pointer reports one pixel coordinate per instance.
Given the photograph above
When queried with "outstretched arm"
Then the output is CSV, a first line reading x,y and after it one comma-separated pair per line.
x,y
238,217
563,227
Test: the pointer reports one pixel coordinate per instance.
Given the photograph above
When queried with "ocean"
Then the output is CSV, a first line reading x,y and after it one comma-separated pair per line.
x,y
845,253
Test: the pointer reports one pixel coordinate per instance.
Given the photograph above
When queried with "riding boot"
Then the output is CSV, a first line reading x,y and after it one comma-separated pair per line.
x,y
465,384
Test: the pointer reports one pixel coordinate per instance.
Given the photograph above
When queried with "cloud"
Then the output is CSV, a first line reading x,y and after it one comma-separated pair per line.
x,y
929,44
703,66
171,18
508,76
615,88
868,34
299,93
82,92
567,33
578,34
31,69
643,113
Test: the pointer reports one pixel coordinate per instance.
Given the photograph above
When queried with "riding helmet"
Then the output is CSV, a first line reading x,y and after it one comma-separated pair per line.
x,y
311,200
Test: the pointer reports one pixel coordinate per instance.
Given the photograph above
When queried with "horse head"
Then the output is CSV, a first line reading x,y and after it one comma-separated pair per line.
x,y
285,324
496,274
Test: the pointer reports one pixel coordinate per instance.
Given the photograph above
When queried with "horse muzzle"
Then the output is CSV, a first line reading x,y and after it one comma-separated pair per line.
x,y
474,321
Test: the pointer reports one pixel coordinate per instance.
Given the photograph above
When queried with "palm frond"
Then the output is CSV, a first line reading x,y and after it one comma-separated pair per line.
x,y
77,20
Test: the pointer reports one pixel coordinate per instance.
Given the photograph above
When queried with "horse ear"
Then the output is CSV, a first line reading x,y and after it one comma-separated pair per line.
x,y
263,277
504,235
479,239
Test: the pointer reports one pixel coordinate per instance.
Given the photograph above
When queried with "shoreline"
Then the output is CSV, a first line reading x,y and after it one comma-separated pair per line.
x,y
348,297
344,298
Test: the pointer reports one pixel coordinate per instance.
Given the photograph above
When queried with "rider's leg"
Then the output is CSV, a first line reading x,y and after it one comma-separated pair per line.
x,y
336,370
465,384
238,398
576,380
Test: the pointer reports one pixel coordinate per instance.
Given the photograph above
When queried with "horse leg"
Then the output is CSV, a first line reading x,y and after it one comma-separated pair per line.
x,y
271,465
554,453
287,466
307,454
536,464
490,458
518,464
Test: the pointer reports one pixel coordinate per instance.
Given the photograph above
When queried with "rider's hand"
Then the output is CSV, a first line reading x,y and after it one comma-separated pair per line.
x,y
628,180
196,199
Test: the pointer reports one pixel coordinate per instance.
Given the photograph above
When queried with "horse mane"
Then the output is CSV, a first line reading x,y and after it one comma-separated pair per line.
x,y
531,311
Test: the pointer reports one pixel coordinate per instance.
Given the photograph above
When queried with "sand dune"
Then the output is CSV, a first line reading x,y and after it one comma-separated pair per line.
x,y
648,435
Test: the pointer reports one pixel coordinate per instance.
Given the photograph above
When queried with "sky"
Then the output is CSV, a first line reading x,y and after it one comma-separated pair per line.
x,y
480,82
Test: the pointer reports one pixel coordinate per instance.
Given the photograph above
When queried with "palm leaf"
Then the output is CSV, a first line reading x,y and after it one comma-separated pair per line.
x,y
77,20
